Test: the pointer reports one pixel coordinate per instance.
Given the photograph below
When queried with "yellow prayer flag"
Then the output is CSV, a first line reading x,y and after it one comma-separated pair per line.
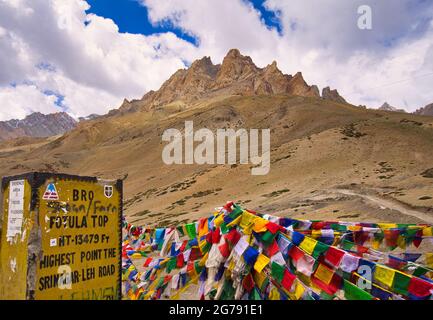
x,y
308,245
427,232
274,294
202,245
387,225
203,260
136,255
260,225
401,242
248,230
231,266
247,219
235,222
261,262
305,279
376,244
324,274
299,290
203,230
354,228
148,295
384,275
429,259
139,292
218,220
316,233
259,278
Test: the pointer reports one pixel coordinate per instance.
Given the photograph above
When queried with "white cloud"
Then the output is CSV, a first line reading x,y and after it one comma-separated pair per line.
x,y
24,99
95,66
321,39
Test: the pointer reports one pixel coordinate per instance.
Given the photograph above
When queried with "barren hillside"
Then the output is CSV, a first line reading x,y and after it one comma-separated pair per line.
x,y
329,159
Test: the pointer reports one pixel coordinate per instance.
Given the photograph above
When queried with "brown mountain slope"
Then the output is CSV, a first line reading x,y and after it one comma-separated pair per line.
x,y
317,148
329,159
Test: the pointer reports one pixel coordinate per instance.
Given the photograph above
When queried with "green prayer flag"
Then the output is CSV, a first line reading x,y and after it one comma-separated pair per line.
x,y
326,296
378,236
198,268
347,245
191,230
420,271
338,227
352,292
171,264
224,229
401,283
206,248
228,292
237,211
277,271
180,230
160,245
319,249
255,295
160,282
268,237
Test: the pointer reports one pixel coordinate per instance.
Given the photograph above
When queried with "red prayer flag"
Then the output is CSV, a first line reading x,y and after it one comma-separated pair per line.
x,y
233,237
288,280
180,260
330,288
361,249
273,248
183,246
318,225
167,278
418,239
419,287
334,256
225,250
216,235
359,237
195,254
147,262
228,206
391,237
272,227
248,283
295,253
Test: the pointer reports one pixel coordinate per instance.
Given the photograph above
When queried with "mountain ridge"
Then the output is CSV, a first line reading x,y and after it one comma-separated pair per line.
x,y
425,111
236,75
37,125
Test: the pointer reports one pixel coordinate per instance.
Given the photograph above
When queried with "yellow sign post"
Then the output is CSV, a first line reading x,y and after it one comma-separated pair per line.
x,y
60,238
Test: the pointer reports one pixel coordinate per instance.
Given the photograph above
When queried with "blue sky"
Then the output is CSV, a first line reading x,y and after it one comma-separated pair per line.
x,y
131,17
86,56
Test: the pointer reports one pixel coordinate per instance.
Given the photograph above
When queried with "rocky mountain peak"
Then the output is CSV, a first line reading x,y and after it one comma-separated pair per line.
x,y
235,67
203,66
236,75
387,107
37,125
332,95
426,111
